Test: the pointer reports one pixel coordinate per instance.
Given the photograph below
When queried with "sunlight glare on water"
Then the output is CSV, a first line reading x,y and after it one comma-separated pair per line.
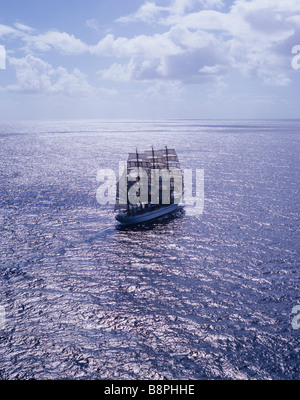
x,y
189,297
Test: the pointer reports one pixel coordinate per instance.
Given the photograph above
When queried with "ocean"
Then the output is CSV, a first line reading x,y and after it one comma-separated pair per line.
x,y
198,297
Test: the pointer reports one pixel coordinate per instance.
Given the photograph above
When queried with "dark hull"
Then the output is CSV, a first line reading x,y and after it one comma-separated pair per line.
x,y
124,219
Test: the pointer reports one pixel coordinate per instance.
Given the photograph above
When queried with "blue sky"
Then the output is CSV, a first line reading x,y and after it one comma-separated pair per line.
x,y
149,59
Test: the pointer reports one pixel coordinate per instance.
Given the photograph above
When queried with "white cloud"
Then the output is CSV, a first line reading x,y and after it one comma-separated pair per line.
x,y
178,54
118,72
199,41
162,90
60,41
151,12
92,24
6,30
263,37
208,20
146,13
37,76
142,45
50,40
181,6
295,19
256,36
71,83
23,27
33,74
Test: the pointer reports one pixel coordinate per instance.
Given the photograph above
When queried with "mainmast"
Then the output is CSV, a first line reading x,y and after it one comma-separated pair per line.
x,y
137,159
153,160
138,168
167,155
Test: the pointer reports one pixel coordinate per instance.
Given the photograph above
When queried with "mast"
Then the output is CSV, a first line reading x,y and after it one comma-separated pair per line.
x,y
137,159
153,161
167,158
138,168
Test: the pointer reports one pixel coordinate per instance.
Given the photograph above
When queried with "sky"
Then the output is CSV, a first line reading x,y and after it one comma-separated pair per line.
x,y
154,59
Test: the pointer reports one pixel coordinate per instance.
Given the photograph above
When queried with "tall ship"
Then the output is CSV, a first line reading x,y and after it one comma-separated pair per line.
x,y
151,186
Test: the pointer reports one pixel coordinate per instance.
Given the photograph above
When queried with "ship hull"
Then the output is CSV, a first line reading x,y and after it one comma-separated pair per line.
x,y
124,219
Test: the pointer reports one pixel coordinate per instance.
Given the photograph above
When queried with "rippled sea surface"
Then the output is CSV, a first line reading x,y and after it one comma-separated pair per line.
x,y
190,297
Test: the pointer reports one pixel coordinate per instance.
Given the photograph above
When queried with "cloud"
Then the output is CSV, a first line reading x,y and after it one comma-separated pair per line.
x,y
55,40
198,41
37,76
92,24
179,54
6,30
23,27
182,6
150,12
262,38
142,46
257,36
146,13
203,42
118,72
161,90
